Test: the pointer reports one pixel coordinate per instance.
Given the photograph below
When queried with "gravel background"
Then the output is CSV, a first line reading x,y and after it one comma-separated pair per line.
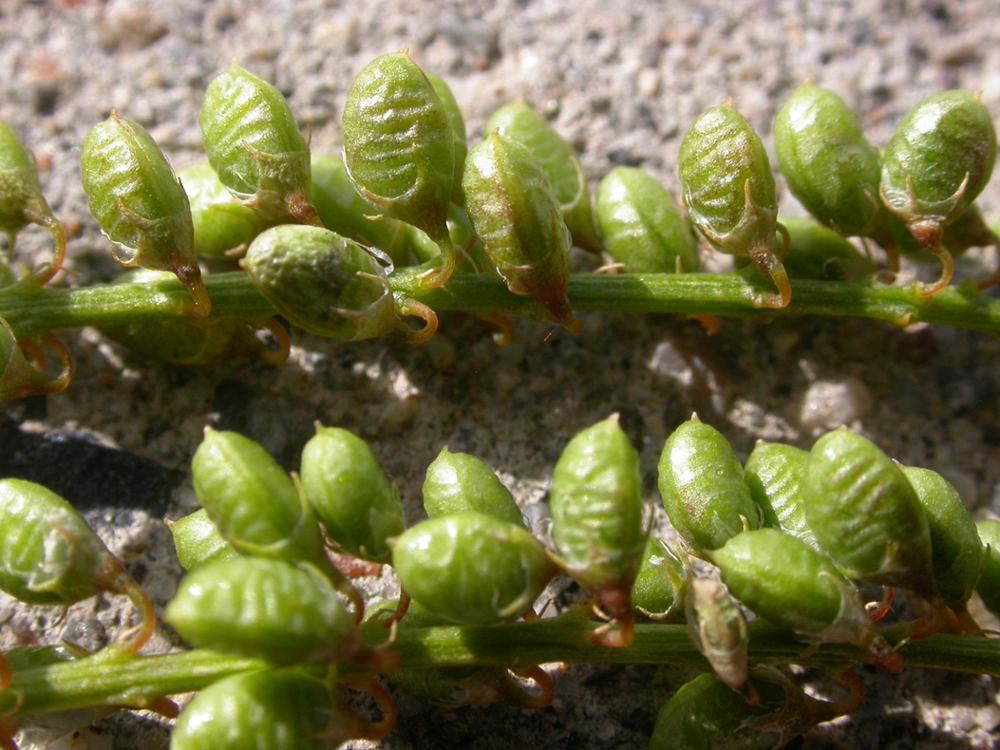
x,y
622,81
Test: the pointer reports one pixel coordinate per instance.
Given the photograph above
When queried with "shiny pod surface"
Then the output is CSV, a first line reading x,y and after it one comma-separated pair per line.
x,y
221,223
350,493
399,143
640,225
472,568
458,481
774,474
447,97
197,541
866,515
264,608
569,185
597,512
251,500
255,146
957,549
323,283
280,710
513,210
659,589
702,486
828,165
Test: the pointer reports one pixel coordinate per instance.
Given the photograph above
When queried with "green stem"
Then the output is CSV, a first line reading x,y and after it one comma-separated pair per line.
x,y
135,681
30,310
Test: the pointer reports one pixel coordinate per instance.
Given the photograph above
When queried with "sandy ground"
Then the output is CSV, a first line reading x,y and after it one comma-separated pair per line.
x,y
621,81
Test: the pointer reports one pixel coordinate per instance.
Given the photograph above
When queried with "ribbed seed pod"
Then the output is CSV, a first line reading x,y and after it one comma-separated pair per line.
x,y
955,544
342,210
702,486
197,541
472,568
255,146
641,226
140,204
936,163
660,587
866,515
19,377
828,165
331,286
774,474
457,481
399,147
815,252
447,98
22,202
597,517
512,207
223,226
729,193
352,496
787,582
569,185
988,586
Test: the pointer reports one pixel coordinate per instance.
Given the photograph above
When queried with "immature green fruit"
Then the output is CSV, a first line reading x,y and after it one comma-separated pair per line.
x,y
255,146
457,122
197,541
702,487
936,163
351,494
399,147
787,582
21,199
660,586
331,286
264,608
866,515
988,586
597,512
514,212
729,193
957,549
774,474
252,501
222,225
19,377
342,210
641,226
472,568
140,204
275,710
521,123
457,481
827,163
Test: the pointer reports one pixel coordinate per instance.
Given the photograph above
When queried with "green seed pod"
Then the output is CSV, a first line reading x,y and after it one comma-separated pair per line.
x,y
472,568
252,501
255,146
597,514
342,210
774,474
514,212
197,541
569,185
351,494
787,582
447,98
660,587
281,710
936,163
331,286
702,487
730,196
21,199
829,166
988,586
641,226
223,226
457,481
866,515
399,147
718,629
957,549
19,377
818,253
264,608
140,204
